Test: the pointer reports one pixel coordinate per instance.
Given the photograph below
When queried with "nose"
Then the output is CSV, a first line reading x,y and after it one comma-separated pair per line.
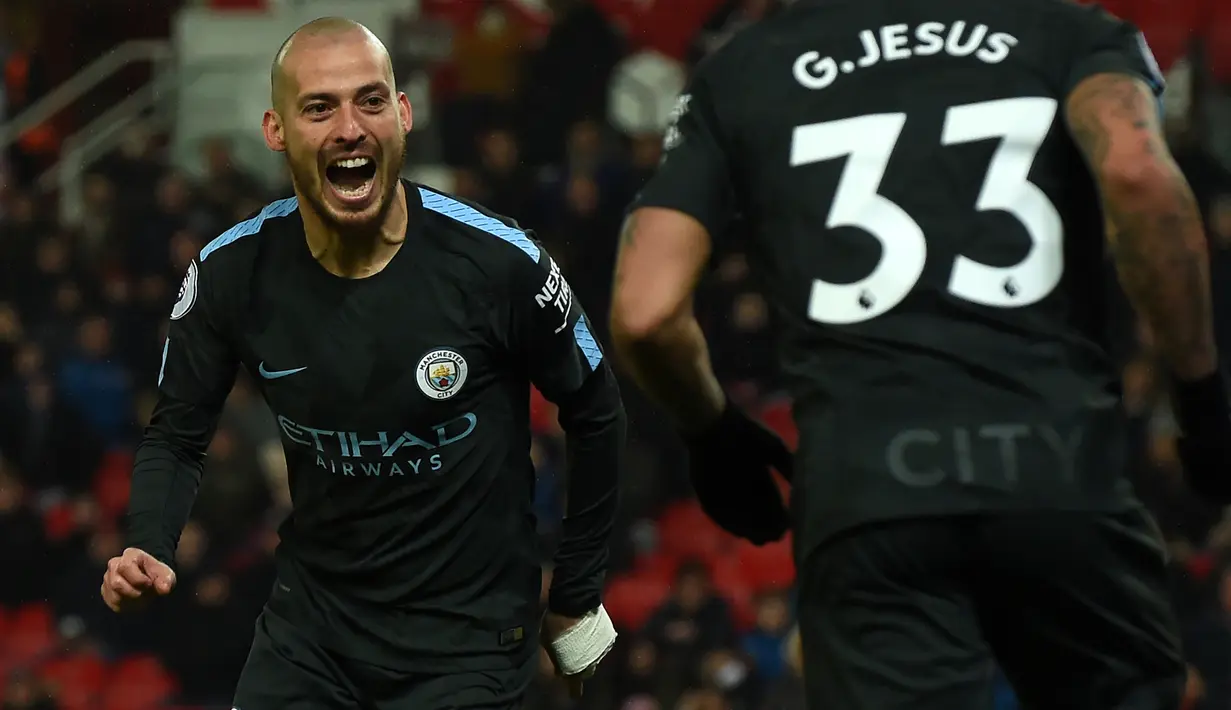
x,y
349,129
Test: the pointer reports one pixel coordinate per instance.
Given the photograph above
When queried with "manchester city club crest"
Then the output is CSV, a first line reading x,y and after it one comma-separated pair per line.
x,y
441,373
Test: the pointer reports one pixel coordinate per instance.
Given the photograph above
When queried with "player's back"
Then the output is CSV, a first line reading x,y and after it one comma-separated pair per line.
x,y
932,244
916,196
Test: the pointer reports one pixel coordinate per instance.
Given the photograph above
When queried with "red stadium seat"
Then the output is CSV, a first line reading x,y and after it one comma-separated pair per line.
x,y
660,566
684,531
59,522
1218,40
631,601
1169,27
777,416
544,416
112,482
31,634
743,608
768,567
4,634
137,683
76,681
730,583
727,576
1201,566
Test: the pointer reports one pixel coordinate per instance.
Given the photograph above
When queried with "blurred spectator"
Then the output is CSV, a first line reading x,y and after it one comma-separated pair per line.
x,y
549,489
1208,642
137,166
766,643
567,77
233,493
148,249
693,622
507,185
225,183
23,553
787,691
726,673
98,226
25,692
638,670
703,700
98,389
487,53
644,154
37,419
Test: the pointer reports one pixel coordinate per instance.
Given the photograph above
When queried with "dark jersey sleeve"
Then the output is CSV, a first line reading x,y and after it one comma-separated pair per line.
x,y
549,329
1107,44
197,373
550,336
198,363
694,176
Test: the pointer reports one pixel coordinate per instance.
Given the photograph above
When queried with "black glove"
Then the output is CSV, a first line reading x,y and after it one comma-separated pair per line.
x,y
729,465
1204,445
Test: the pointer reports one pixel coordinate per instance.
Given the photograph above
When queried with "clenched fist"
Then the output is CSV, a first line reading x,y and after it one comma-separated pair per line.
x,y
133,578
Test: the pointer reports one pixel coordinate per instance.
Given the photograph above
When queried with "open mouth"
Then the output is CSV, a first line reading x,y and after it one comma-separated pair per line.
x,y
352,178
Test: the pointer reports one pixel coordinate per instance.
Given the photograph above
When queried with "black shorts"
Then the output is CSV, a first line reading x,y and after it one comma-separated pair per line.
x,y
287,671
908,615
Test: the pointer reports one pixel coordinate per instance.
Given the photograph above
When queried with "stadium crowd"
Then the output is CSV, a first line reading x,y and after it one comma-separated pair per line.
x,y
706,621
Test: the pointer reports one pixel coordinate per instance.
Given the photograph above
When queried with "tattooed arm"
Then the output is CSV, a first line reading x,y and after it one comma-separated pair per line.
x,y
1154,227
664,249
662,255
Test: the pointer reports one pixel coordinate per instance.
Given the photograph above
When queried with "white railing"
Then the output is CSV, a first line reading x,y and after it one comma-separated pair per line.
x,y
154,52
99,137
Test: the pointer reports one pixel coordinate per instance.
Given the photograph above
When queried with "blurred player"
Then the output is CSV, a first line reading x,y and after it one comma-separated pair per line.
x,y
923,183
395,333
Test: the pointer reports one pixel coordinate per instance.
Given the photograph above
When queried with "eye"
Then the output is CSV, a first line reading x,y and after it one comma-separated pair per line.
x,y
315,109
374,102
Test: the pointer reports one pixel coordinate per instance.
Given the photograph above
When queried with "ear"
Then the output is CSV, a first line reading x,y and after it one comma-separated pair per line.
x,y
404,112
271,128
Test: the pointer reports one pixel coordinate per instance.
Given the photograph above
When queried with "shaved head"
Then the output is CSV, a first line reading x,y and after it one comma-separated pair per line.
x,y
338,117
320,31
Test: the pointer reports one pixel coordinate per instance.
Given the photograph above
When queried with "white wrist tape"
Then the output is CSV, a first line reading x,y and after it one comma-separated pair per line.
x,y
585,643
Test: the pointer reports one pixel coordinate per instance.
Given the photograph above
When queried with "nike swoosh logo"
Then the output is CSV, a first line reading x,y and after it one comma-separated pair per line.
x,y
275,374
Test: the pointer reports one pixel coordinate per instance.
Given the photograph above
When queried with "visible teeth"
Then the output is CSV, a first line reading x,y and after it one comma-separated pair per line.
x,y
354,192
351,162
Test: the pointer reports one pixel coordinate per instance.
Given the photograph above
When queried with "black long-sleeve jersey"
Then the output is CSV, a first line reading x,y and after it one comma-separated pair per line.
x,y
931,243
403,402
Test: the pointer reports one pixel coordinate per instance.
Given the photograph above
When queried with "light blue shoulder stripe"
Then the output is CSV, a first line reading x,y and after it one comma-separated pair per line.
x,y
248,227
585,340
466,214
162,369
